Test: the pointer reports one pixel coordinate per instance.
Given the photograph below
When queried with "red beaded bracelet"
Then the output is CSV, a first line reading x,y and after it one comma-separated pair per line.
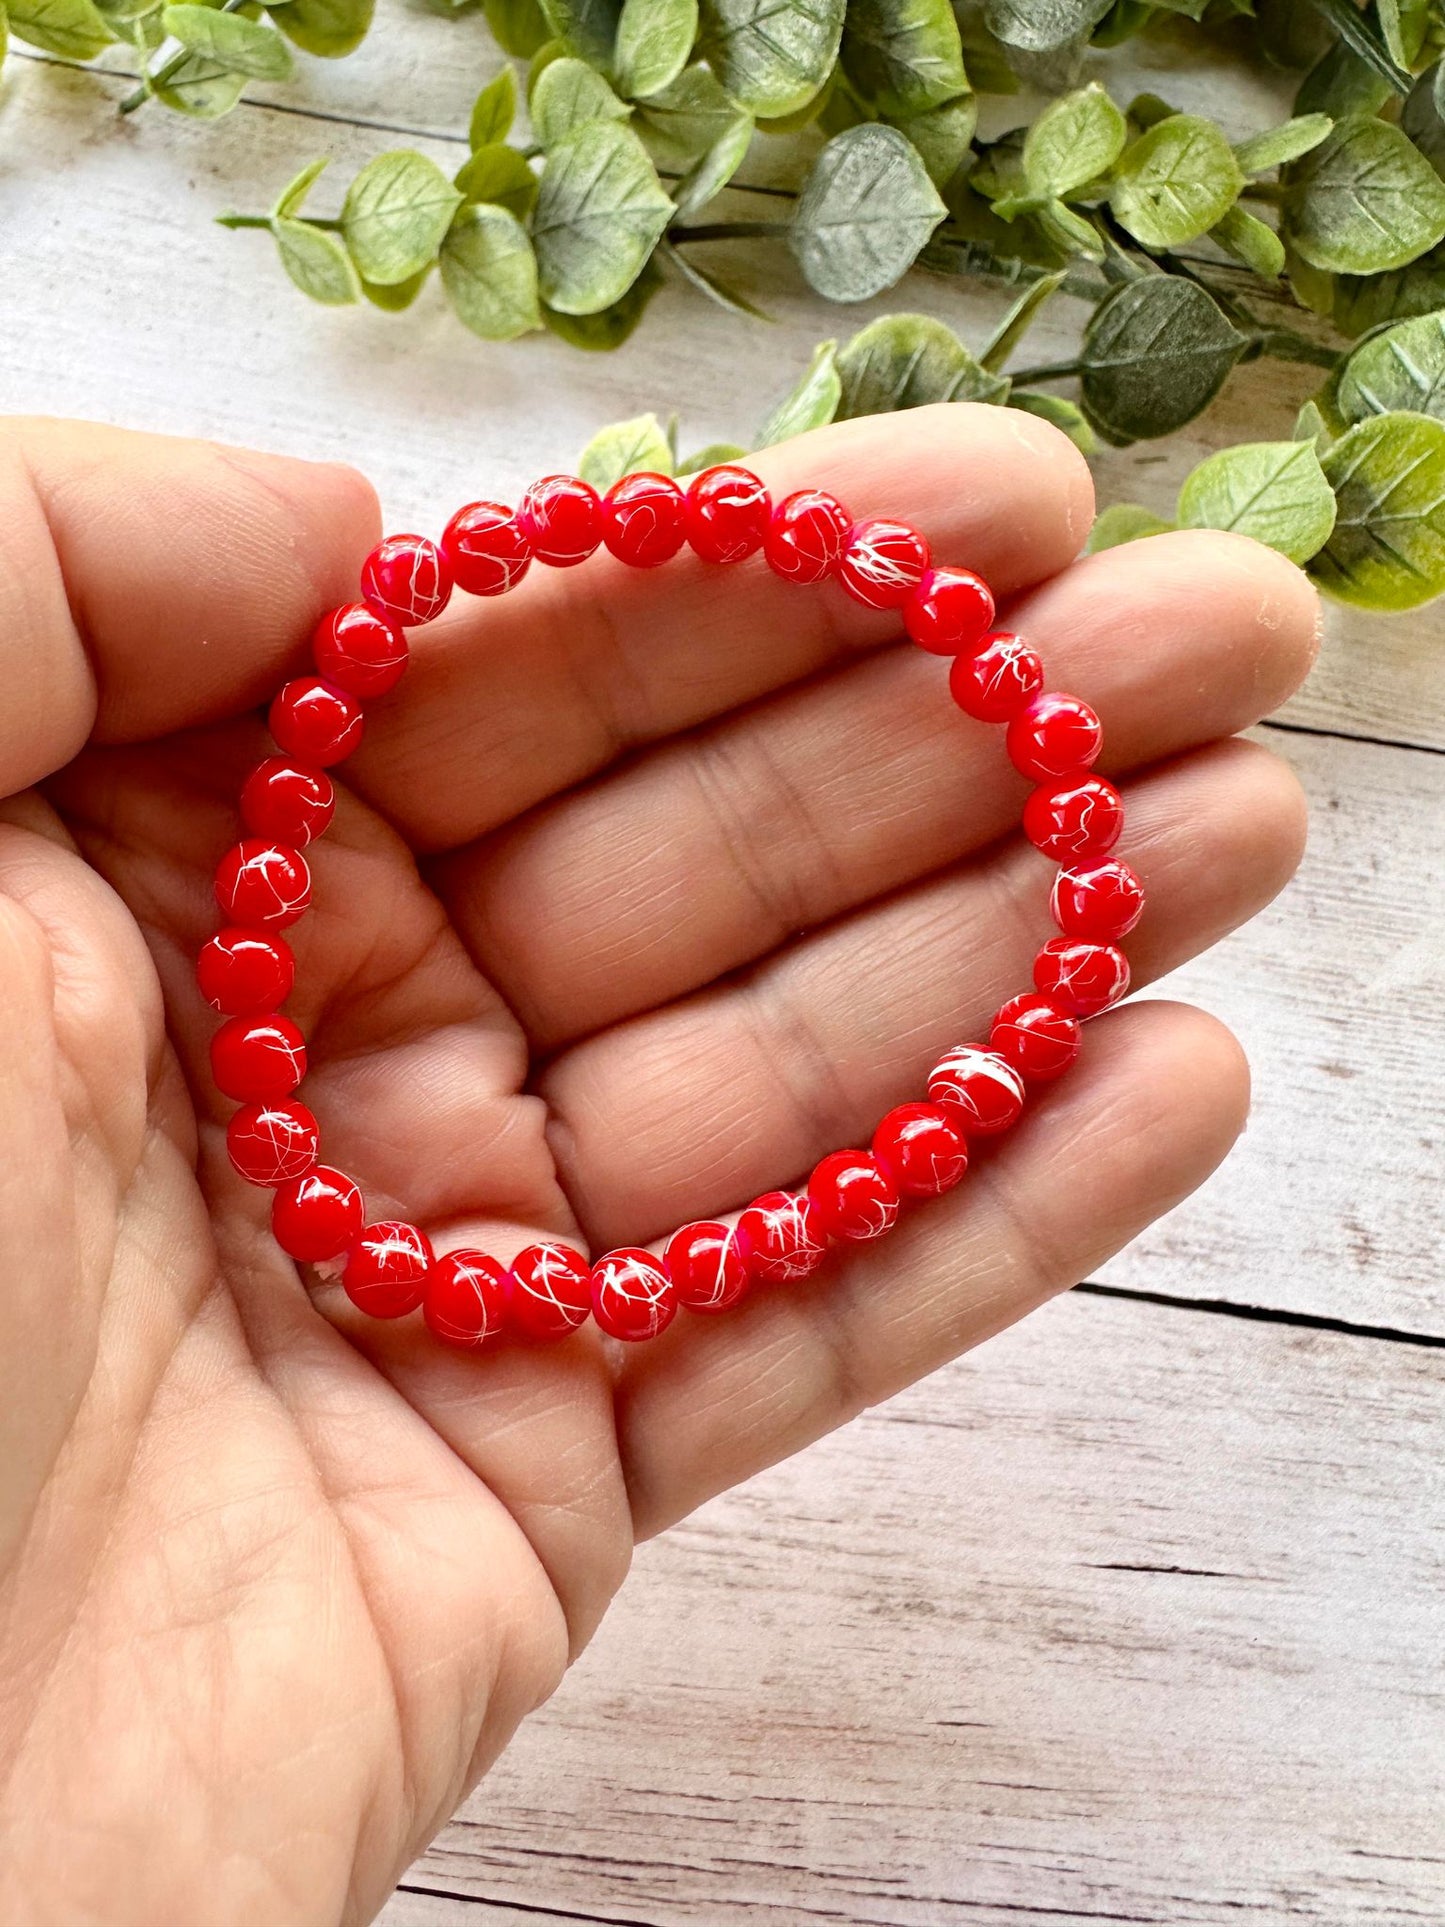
x,y
918,1151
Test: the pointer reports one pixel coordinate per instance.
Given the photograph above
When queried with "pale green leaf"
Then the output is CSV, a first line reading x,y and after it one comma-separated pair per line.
x,y
714,169
772,56
903,57
1277,145
1175,182
586,28
1364,201
713,456
625,448
1311,426
566,96
907,361
1020,317
395,214
1248,239
654,39
1072,142
1399,369
499,176
1041,26
494,110
289,201
1123,522
941,134
812,403
244,46
866,210
682,122
201,87
600,212
328,28
1388,546
519,27
74,29
490,273
1063,414
317,262
1155,354
400,295
610,326
1273,491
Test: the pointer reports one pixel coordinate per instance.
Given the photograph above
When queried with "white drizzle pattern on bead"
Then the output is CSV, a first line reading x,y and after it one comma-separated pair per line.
x,y
983,1085
283,873
631,1278
290,1147
792,1246
883,556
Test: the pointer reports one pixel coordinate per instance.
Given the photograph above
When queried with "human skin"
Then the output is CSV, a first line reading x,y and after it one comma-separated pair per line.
x,y
645,889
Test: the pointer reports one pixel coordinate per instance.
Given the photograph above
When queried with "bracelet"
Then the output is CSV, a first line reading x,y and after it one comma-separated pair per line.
x,y
919,1150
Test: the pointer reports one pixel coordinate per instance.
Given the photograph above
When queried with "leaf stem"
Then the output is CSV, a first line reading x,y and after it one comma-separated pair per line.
x,y
1049,371
168,69
1284,344
243,220
1355,30
727,231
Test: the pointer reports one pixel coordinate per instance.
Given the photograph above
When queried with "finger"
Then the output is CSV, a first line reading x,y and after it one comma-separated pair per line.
x,y
1150,1112
150,583
710,851
693,1109
512,701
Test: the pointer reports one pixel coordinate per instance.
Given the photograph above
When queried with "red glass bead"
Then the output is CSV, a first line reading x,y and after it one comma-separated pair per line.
x,y
1075,819
406,580
950,612
358,652
805,535
1053,736
922,1149
287,802
386,1268
258,1057
883,562
644,519
243,973
998,681
780,1237
551,1291
487,548
561,518
706,1267
853,1196
982,1090
1103,902
1039,1041
727,513
1081,978
272,1143
632,1295
317,1216
264,883
312,720
466,1297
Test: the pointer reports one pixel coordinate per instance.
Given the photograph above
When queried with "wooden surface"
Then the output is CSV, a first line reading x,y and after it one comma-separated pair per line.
x,y
1134,1615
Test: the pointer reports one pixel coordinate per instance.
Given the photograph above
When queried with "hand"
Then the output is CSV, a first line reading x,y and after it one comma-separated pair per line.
x,y
644,890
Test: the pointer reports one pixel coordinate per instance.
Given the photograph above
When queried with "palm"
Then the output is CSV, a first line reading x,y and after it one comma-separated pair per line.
x,y
548,992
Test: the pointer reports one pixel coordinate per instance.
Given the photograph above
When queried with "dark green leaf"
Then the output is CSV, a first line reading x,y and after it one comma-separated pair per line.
x,y
1292,33
598,333
499,176
1274,491
566,95
1251,241
1388,546
586,28
1362,302
1340,84
907,361
903,56
1288,142
1365,200
1020,317
1123,522
327,28
1072,142
625,448
490,274
1040,26
494,110
244,46
1156,352
772,56
74,29
654,39
1065,415
1399,369
395,214
600,212
1175,182
519,27
813,403
681,123
867,208
317,262
1421,119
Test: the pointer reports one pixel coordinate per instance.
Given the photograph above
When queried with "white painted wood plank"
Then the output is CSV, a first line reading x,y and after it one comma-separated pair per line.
x,y
1133,1615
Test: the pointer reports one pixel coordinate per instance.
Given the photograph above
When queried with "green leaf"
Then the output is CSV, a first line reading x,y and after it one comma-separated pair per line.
x,y
1292,33
317,262
1041,26
812,403
289,200
1311,426
74,29
710,284
494,110
600,213
586,28
654,39
1365,200
395,214
1277,145
1251,241
519,27
1069,231
567,95
1065,415
714,169
1411,30
1341,84
1072,142
710,457
244,46
1020,317
1388,546
903,57
941,135
866,210
201,87
682,122
1123,522
327,28
399,295
499,176
626,448
609,327
1274,491
1362,302
1421,120
907,361
1175,182
1156,352
1399,369
770,56
490,273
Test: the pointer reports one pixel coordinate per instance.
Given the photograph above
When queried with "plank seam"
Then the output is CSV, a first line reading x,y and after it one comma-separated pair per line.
x,y
1267,1315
